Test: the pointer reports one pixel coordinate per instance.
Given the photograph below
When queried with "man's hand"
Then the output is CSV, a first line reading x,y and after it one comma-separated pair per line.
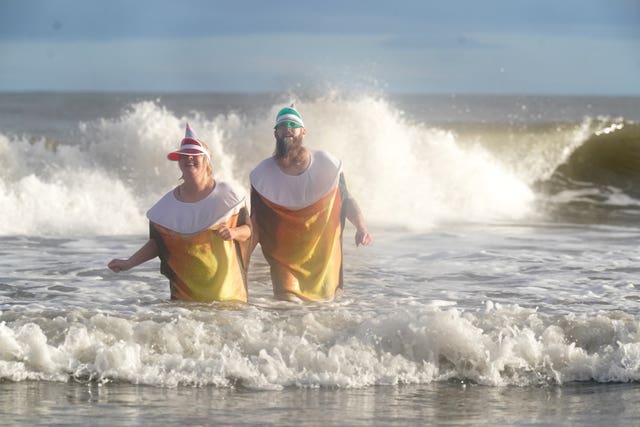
x,y
363,237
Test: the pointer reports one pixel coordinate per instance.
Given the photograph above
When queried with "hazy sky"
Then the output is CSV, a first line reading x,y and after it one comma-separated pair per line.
x,y
398,46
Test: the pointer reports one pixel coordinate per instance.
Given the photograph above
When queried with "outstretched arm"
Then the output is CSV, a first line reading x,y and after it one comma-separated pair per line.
x,y
144,254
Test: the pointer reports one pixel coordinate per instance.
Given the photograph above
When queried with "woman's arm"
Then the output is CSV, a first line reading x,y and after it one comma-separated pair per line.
x,y
144,254
242,232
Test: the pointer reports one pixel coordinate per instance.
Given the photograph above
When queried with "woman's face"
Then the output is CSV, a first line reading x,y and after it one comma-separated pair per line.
x,y
192,166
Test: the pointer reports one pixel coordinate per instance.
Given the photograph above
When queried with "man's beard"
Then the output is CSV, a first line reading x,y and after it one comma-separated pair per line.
x,y
291,151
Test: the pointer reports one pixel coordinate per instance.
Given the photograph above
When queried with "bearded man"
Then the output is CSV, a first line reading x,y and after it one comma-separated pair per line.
x,y
299,203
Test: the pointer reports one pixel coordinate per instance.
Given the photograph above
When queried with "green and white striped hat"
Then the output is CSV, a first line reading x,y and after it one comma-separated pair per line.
x,y
290,116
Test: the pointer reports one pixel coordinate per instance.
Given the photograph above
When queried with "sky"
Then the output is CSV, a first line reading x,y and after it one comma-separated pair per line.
x,y
566,47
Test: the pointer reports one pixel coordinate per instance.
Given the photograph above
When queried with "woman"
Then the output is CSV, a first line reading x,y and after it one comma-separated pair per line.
x,y
200,230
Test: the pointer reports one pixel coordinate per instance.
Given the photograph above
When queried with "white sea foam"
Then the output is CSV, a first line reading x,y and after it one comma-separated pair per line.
x,y
267,350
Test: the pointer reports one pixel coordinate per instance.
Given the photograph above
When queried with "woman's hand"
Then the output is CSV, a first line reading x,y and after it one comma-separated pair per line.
x,y
226,233
118,265
240,233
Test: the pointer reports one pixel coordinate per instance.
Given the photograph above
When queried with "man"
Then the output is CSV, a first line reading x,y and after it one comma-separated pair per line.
x,y
299,203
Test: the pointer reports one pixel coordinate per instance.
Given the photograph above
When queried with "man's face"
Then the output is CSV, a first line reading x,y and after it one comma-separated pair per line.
x,y
288,138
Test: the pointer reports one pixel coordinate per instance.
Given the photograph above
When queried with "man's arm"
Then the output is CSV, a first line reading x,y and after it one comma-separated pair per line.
x,y
354,215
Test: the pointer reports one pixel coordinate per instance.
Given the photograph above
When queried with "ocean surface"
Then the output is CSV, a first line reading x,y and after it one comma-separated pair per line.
x,y
502,287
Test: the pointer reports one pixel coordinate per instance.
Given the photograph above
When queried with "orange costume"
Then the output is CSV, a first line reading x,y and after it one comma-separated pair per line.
x,y
199,264
299,222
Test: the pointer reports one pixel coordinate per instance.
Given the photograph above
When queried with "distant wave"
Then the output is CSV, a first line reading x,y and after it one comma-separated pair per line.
x,y
600,180
609,157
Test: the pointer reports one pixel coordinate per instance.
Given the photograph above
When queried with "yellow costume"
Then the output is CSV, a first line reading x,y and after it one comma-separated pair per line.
x,y
299,221
199,264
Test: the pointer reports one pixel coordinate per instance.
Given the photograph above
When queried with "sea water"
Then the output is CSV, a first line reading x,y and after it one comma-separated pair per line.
x,y
501,287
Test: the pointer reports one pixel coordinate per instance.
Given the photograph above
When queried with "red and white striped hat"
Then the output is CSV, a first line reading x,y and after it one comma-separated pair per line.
x,y
189,146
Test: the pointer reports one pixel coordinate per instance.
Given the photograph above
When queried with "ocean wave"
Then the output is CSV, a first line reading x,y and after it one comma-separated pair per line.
x,y
598,180
110,171
105,173
610,157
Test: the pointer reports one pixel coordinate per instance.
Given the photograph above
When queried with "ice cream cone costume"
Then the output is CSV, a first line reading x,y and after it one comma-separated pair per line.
x,y
199,264
299,222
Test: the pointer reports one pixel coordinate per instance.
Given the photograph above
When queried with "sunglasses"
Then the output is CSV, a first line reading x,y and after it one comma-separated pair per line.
x,y
288,125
